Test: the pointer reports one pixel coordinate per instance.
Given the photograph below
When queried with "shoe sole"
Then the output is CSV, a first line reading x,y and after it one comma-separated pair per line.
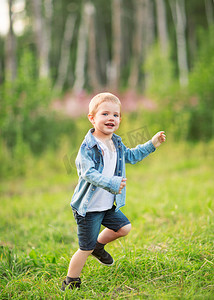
x,y
102,262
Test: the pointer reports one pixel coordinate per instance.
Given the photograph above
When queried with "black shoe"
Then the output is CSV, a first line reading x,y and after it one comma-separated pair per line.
x,y
102,256
74,283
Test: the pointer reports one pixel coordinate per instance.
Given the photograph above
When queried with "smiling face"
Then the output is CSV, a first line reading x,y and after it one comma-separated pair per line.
x,y
106,120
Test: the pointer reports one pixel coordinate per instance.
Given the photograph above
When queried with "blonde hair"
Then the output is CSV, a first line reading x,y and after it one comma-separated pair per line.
x,y
100,98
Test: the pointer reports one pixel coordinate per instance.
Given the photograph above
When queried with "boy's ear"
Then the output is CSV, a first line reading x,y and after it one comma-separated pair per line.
x,y
91,119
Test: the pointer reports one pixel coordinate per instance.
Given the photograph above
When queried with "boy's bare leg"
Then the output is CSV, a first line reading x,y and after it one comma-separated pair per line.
x,y
108,235
77,263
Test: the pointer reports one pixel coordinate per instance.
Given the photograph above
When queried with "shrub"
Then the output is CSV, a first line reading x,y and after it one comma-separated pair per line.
x,y
201,124
27,123
159,70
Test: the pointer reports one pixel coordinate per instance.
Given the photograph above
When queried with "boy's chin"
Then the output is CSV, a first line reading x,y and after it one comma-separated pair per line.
x,y
110,130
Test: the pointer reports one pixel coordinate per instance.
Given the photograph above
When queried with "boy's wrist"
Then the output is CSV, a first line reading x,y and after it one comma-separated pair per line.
x,y
154,144
151,145
115,184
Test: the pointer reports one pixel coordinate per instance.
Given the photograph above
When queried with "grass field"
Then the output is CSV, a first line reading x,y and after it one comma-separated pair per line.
x,y
168,254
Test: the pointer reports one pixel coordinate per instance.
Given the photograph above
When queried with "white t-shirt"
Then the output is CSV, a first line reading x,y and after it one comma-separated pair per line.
x,y
102,199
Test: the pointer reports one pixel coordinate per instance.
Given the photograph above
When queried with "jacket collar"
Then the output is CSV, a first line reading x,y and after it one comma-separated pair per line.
x,y
91,141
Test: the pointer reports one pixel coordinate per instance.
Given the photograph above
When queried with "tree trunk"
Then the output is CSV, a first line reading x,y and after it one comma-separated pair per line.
x,y
149,26
103,54
65,53
148,33
209,11
137,45
92,51
192,42
48,10
115,65
82,49
41,39
179,16
162,26
10,47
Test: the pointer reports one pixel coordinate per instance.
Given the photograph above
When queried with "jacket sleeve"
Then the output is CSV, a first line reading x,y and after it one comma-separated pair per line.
x,y
138,153
86,168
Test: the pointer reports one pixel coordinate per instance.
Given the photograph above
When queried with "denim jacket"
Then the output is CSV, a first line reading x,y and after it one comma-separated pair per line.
x,y
89,163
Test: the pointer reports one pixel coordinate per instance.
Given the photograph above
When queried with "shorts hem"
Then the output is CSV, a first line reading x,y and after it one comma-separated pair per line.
x,y
84,249
124,224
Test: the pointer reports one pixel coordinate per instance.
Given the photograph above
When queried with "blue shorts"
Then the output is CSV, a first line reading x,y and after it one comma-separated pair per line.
x,y
88,227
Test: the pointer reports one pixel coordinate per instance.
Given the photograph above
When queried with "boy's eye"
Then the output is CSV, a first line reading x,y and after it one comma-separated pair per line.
x,y
106,114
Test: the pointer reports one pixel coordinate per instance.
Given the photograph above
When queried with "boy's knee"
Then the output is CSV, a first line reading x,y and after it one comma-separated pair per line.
x,y
123,231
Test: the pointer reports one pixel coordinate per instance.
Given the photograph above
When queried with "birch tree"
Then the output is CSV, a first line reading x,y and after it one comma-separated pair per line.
x,y
115,65
137,44
162,26
10,48
209,7
179,17
42,41
103,57
65,53
148,34
47,20
143,38
148,26
82,48
92,51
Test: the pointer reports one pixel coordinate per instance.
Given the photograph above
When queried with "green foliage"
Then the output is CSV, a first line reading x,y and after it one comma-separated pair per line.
x,y
202,88
23,103
28,125
159,72
185,112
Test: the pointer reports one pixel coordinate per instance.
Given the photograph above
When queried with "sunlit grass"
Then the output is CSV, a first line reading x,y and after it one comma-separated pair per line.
x,y
168,254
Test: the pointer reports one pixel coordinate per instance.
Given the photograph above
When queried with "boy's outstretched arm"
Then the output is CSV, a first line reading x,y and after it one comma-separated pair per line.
x,y
158,138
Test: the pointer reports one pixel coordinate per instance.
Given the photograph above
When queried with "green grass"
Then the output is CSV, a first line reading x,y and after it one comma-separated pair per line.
x,y
168,254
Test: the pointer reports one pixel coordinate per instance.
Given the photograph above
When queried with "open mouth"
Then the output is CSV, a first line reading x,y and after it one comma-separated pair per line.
x,y
110,125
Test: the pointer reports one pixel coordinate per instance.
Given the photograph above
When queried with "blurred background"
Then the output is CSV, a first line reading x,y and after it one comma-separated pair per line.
x,y
156,55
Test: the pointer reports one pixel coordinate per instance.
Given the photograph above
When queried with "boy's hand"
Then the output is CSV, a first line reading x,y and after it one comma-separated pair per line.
x,y
122,185
158,138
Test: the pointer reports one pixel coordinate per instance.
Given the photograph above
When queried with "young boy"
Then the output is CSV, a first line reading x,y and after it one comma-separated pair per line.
x,y
101,189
